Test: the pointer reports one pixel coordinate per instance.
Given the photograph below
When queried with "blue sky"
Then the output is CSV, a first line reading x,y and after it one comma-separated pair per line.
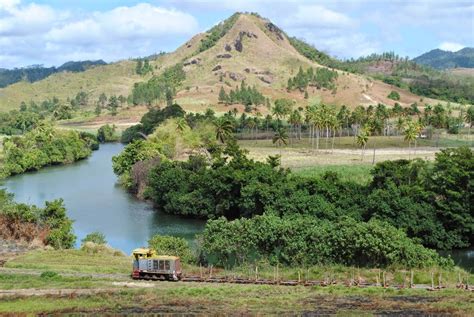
x,y
51,32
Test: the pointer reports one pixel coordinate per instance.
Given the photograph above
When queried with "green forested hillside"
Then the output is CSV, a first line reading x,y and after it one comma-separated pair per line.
x,y
444,59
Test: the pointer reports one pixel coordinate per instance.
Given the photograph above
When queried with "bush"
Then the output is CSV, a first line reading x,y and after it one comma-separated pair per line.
x,y
96,237
394,95
168,245
106,133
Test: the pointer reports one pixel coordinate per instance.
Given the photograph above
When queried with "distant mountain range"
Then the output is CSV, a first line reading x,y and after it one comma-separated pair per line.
x,y
36,73
444,59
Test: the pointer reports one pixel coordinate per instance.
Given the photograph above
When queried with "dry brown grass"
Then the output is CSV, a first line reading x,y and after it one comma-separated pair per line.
x,y
265,53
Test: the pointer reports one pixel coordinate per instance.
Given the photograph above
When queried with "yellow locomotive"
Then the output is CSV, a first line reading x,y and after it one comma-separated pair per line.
x,y
148,265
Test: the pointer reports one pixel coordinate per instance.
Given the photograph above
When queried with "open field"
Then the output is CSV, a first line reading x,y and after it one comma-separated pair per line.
x,y
300,154
79,286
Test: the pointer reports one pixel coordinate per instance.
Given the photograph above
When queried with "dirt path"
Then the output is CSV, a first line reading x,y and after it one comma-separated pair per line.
x,y
112,276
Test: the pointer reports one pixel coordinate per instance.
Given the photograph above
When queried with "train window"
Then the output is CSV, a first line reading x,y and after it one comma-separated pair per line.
x,y
155,265
167,265
162,265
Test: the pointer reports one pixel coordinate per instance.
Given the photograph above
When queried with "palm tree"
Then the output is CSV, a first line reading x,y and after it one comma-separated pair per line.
x,y
400,125
181,124
280,138
295,121
362,139
224,129
410,135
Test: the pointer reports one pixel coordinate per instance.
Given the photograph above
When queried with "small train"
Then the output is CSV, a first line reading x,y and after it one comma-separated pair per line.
x,y
148,265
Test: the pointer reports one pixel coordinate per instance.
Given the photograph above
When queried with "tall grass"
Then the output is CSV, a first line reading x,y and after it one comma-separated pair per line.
x,y
359,173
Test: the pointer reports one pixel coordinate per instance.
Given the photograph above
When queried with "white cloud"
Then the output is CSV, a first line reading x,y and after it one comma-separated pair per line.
x,y
450,46
318,16
40,34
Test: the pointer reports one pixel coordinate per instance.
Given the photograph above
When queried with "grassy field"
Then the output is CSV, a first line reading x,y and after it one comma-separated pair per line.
x,y
99,283
359,173
301,156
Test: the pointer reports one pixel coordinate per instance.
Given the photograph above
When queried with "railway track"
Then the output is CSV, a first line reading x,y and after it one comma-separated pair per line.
x,y
324,283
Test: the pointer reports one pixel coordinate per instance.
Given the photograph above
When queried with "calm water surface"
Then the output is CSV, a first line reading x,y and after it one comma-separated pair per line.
x,y
97,203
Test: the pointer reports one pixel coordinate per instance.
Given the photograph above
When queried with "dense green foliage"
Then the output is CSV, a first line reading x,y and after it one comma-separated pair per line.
x,y
44,146
106,133
321,78
408,194
243,95
217,32
159,88
306,241
38,72
168,245
445,59
95,237
150,121
52,218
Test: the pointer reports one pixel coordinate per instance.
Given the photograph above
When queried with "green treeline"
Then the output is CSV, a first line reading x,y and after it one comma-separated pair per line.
x,y
319,78
24,222
217,32
159,88
244,94
45,145
431,202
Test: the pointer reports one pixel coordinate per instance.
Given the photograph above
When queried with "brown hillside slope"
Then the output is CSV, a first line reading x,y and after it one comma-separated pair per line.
x,y
254,49
267,60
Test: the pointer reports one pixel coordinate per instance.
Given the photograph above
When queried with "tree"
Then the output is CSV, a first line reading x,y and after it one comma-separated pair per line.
x,y
169,245
181,124
280,138
97,110
106,133
282,108
469,118
362,139
394,95
223,98
224,129
102,100
411,133
95,237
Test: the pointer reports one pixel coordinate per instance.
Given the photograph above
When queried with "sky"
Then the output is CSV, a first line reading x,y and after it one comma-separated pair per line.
x,y
51,32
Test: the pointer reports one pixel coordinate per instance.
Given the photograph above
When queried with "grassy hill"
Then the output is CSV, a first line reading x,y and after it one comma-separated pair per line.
x,y
243,47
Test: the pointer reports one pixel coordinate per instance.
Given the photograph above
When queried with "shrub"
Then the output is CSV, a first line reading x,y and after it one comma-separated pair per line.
x,y
394,95
96,237
168,245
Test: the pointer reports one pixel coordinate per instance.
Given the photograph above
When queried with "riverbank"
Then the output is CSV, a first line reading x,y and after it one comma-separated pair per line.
x,y
73,281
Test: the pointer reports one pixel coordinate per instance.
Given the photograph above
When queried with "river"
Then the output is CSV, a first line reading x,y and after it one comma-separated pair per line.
x,y
96,202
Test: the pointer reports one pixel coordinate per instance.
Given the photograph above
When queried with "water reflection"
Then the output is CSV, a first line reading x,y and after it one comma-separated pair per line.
x,y
97,203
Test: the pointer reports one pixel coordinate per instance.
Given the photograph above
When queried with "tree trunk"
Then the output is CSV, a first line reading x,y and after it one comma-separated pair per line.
x,y
373,157
333,139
